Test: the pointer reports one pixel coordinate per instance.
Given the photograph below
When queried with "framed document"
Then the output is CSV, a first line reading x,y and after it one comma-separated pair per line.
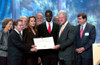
x,y
44,43
96,54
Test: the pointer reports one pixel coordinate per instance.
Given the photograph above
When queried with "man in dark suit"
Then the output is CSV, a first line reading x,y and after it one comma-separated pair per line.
x,y
16,48
65,40
85,37
48,29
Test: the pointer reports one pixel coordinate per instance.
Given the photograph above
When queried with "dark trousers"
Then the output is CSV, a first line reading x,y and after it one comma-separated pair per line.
x,y
71,62
3,60
50,60
31,59
83,61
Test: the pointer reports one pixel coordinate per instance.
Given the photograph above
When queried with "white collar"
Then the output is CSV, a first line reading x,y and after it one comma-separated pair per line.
x,y
65,23
83,26
18,31
51,24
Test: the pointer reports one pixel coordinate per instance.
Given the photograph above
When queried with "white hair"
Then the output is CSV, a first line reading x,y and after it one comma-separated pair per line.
x,y
62,12
39,14
23,17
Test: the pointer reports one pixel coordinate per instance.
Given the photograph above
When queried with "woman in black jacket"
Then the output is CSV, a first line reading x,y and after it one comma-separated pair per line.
x,y
29,33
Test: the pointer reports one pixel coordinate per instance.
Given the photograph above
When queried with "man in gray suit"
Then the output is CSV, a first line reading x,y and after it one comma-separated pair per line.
x,y
65,40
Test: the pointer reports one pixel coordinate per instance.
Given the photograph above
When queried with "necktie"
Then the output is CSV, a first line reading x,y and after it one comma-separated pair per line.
x,y
49,28
20,35
81,32
61,30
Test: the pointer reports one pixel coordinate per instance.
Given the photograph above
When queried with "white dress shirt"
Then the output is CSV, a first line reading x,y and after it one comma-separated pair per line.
x,y
83,26
18,31
51,25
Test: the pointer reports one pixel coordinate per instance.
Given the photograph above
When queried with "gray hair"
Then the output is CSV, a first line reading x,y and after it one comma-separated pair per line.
x,y
5,22
62,12
39,14
22,17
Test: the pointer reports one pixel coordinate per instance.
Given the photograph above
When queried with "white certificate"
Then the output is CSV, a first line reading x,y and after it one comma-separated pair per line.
x,y
44,43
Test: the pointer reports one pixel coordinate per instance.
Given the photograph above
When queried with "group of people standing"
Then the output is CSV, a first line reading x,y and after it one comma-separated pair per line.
x,y
73,44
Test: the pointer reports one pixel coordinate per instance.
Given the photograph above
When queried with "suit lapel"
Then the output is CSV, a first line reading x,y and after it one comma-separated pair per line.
x,y
17,34
53,28
45,27
59,32
65,29
78,31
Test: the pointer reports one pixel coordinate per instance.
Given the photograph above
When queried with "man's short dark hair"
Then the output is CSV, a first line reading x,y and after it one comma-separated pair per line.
x,y
48,11
16,22
83,15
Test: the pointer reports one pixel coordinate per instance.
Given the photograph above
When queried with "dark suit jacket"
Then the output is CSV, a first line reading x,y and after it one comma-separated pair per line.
x,y
28,37
66,51
16,49
32,58
43,32
87,40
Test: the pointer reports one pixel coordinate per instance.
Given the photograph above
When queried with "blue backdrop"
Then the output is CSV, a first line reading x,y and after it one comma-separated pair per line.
x,y
16,8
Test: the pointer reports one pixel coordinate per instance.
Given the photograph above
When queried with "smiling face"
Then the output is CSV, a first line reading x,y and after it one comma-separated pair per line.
x,y
48,16
82,18
56,19
9,25
39,19
24,20
62,19
19,26
32,22
81,21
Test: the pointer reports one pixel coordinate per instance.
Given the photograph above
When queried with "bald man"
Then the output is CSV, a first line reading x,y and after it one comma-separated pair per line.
x,y
56,19
24,20
39,18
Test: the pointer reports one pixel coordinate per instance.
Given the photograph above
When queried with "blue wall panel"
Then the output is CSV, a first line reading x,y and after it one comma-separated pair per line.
x,y
16,8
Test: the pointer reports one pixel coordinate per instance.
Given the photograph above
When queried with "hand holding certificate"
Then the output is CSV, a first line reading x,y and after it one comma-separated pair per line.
x,y
44,43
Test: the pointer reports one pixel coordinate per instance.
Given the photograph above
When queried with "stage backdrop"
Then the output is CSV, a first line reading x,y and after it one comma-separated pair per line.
x,y
16,8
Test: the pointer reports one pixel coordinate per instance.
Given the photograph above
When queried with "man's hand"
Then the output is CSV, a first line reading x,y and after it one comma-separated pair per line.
x,y
80,50
33,49
56,47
